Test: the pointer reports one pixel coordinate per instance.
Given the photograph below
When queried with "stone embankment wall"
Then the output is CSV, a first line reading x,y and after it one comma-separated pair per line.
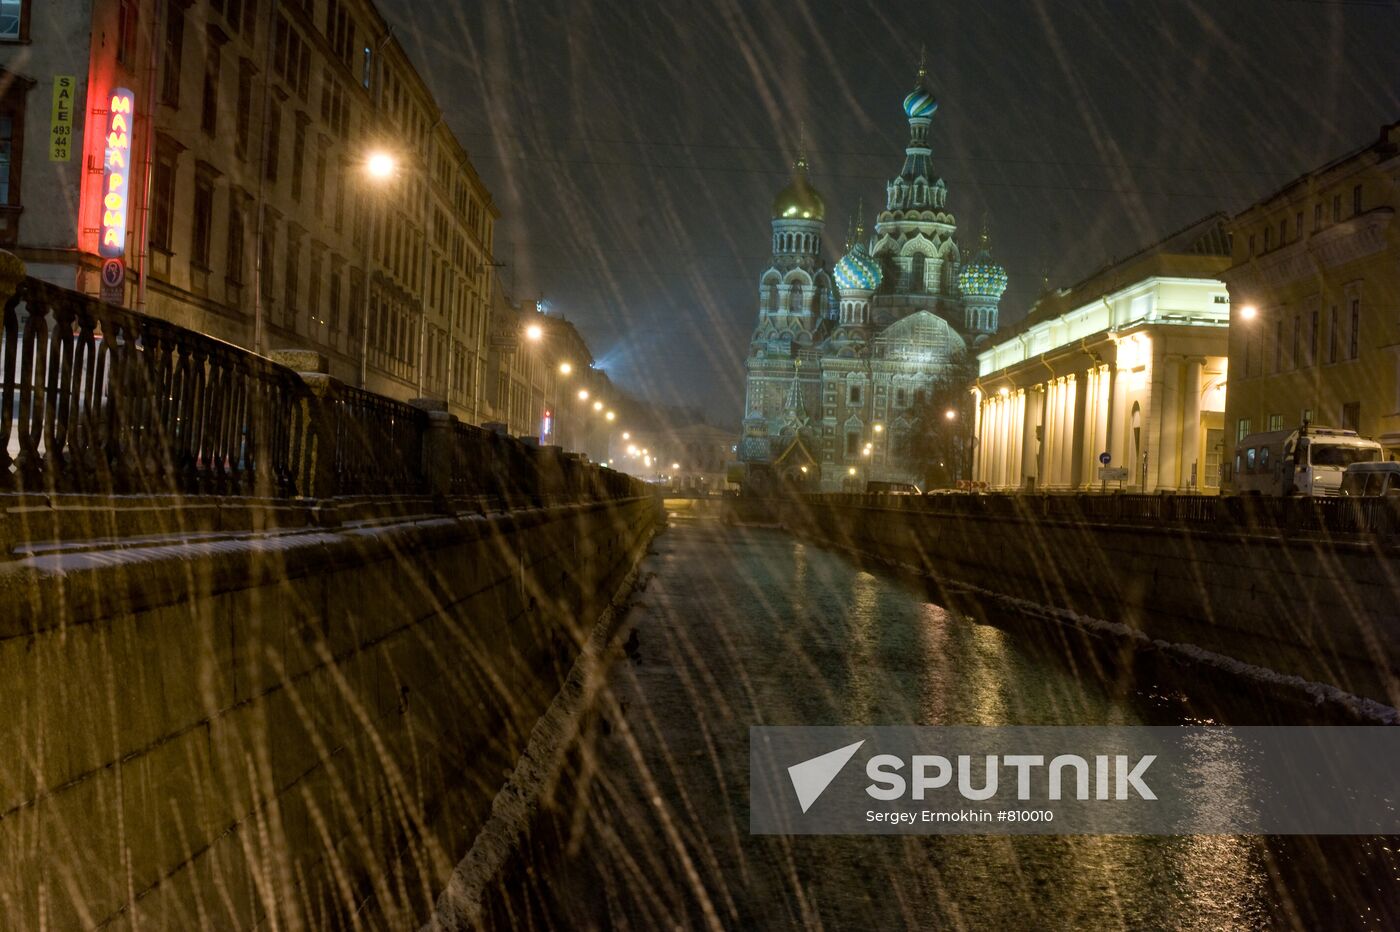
x,y
263,721
1323,607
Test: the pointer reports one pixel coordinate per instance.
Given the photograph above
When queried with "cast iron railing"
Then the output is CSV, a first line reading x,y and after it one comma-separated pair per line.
x,y
101,400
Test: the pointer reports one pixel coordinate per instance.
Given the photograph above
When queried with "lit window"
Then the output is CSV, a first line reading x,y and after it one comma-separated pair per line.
x,y
13,20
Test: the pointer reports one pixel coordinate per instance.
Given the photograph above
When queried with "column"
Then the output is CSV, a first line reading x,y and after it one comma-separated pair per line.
x,y
1018,433
1067,404
1089,452
1048,449
1191,424
1169,419
1035,400
1119,429
979,452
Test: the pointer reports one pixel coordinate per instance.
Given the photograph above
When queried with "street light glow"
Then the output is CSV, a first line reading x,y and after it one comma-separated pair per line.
x,y
626,435
1249,312
534,332
565,368
851,471
879,428
950,414
675,465
597,406
583,394
611,415
1003,391
381,166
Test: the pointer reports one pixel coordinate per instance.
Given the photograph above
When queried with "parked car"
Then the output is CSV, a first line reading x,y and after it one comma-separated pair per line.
x,y
1306,461
1371,480
891,488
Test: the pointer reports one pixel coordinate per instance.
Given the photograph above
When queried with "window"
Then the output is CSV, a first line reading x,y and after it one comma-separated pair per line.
x,y
367,69
209,99
203,222
335,299
14,20
1251,244
298,156
1351,415
126,31
1355,328
1297,335
231,11
266,253
1250,459
916,275
291,58
234,257
1263,459
1241,429
1332,337
1336,207
852,443
273,140
11,149
1312,339
1278,345
1275,422
163,206
243,117
1317,216
853,395
174,46
1356,200
291,278
1298,225
1282,232
320,192
901,397
313,298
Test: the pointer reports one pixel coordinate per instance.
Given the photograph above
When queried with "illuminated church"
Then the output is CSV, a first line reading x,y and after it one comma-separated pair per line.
x,y
841,359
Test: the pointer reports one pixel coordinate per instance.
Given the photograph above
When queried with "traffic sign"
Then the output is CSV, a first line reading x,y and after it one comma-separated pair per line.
x,y
1105,458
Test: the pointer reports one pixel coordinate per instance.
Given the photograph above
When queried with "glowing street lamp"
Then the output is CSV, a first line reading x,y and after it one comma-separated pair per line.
x,y
534,333
631,449
950,414
675,465
583,394
851,471
626,435
597,406
381,166
1249,312
565,368
610,415
879,428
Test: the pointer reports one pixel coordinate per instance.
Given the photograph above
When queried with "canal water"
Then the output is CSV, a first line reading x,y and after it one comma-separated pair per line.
x,y
751,626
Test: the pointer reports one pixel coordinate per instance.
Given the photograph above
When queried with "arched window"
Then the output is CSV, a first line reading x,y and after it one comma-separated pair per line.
x,y
917,283
796,294
773,297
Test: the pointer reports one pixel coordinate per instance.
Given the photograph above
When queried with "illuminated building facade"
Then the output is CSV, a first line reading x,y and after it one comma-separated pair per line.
x,y
245,205
1318,265
1130,362
841,360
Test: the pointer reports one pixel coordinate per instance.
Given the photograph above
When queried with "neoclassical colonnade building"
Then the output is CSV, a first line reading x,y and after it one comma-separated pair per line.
x,y
1131,361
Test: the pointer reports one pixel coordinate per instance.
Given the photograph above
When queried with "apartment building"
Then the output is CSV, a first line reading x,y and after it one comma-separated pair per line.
x,y
272,172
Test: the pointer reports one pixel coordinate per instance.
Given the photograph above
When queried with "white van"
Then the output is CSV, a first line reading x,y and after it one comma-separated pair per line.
x,y
1306,461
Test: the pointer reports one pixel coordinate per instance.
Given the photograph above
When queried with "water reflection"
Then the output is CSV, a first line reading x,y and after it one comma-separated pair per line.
x,y
747,627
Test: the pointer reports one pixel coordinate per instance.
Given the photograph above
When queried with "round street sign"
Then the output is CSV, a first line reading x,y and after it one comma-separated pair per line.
x,y
1105,458
113,272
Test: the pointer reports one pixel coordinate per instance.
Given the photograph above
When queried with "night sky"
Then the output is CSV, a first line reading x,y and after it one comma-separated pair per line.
x,y
634,148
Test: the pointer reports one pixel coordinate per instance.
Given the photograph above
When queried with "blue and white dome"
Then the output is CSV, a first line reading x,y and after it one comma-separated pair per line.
x,y
920,104
857,271
982,277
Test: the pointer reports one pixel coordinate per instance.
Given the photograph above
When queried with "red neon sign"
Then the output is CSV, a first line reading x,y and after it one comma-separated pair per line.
x,y
115,163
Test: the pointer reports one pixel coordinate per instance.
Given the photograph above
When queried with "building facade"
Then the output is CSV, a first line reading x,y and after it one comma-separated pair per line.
x,y
214,155
841,359
1130,362
1315,288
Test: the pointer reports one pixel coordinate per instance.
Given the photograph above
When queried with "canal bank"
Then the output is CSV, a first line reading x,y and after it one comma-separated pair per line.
x,y
648,825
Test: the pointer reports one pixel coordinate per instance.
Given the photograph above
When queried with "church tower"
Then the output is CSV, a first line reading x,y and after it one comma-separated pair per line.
x,y
914,234
983,282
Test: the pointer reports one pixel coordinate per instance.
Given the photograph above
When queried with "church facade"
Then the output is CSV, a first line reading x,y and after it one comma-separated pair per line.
x,y
841,359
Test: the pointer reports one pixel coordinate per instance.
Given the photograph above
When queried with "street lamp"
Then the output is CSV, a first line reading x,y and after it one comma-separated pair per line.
x,y
950,414
597,406
610,415
583,394
565,368
381,166
1249,312
879,428
534,333
675,465
626,435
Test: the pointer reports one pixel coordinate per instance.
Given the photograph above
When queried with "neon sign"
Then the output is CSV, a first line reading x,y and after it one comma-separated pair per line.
x,y
112,244
547,425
